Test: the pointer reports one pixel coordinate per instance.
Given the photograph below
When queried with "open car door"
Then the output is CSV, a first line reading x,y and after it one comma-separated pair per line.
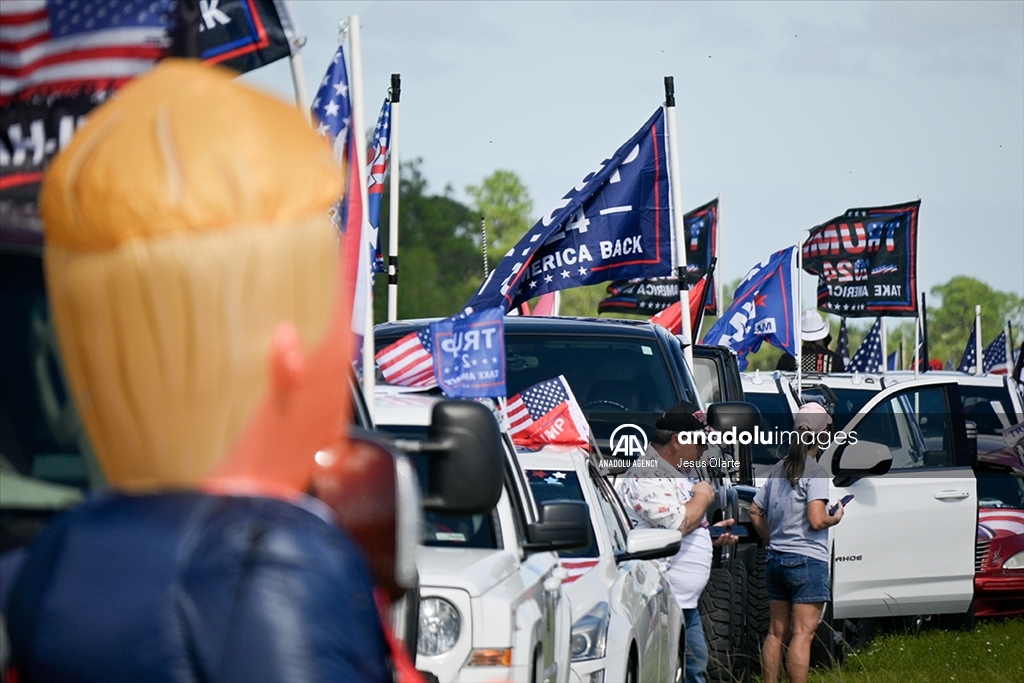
x,y
906,543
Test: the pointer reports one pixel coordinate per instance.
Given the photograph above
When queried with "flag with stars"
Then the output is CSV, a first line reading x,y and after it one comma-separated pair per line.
x,y
843,343
332,112
379,149
969,359
993,359
615,224
547,413
762,310
869,356
469,354
866,261
409,362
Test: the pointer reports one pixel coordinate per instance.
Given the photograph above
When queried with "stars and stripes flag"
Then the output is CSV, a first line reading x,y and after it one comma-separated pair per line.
x,y
68,45
547,413
843,343
869,356
969,360
993,359
379,150
409,362
332,110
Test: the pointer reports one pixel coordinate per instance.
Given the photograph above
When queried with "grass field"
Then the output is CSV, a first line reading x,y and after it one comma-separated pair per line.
x,y
992,653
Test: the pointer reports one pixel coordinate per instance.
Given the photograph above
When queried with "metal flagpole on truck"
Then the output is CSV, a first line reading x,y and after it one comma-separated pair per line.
x,y
677,217
394,187
356,89
978,353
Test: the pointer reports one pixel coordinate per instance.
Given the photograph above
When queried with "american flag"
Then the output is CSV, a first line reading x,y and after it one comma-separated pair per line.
x,y
843,344
869,356
969,361
332,109
547,413
69,45
409,362
993,359
379,149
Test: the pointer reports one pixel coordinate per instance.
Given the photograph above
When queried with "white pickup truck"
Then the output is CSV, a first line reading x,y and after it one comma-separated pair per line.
x,y
492,605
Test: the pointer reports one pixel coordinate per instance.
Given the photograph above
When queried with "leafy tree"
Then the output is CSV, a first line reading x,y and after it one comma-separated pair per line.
x,y
952,321
505,204
439,262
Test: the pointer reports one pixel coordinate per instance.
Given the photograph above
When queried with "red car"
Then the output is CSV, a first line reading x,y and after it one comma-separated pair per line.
x,y
999,556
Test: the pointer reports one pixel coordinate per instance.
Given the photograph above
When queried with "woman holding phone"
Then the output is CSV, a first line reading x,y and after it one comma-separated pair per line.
x,y
789,514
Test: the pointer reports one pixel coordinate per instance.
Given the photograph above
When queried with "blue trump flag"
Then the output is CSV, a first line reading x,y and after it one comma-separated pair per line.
x,y
614,225
763,309
469,354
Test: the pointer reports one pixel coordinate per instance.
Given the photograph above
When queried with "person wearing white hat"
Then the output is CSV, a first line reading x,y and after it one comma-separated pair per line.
x,y
815,356
790,514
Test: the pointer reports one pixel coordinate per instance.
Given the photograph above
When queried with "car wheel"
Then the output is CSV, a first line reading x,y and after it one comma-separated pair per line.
x,y
722,610
632,673
758,612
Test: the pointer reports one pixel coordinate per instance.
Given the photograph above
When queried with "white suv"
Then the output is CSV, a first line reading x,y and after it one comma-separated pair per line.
x,y
492,605
626,624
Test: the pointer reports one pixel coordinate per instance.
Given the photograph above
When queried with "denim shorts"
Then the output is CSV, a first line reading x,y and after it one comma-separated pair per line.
x,y
791,577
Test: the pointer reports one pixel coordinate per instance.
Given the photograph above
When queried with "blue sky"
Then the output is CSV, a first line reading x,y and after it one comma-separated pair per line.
x,y
791,112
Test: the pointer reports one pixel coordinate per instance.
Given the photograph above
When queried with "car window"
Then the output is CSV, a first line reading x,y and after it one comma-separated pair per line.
x,y
547,485
915,426
611,509
705,374
606,375
444,530
1000,490
776,418
990,408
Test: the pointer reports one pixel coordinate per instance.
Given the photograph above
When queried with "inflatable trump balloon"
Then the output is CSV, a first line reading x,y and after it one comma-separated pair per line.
x,y
194,280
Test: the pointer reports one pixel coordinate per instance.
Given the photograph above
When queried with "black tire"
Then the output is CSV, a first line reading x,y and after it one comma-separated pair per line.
x,y
837,638
758,611
722,609
632,674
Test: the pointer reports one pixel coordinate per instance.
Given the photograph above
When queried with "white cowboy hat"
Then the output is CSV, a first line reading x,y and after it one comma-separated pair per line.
x,y
812,327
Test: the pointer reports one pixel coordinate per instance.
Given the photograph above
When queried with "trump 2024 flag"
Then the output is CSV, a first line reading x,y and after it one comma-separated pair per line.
x,y
469,354
615,224
547,413
763,309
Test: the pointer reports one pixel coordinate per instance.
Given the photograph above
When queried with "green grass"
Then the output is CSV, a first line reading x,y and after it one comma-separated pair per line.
x,y
992,653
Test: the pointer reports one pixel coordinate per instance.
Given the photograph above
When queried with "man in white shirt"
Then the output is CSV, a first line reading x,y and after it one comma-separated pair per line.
x,y
670,496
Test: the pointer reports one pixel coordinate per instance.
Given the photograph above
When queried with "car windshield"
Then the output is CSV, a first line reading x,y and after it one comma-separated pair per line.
x,y
547,485
988,407
1000,490
776,417
608,376
443,530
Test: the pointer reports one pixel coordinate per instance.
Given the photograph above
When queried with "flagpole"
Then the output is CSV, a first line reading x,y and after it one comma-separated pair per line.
x,y
797,308
394,188
885,345
717,254
924,332
677,217
356,88
1009,349
977,340
917,347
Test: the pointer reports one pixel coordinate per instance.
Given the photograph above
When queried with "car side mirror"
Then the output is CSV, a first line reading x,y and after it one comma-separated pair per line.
x,y
374,495
727,415
465,458
562,525
861,459
650,544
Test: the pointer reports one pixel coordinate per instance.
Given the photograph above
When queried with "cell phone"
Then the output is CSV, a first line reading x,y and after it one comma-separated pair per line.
x,y
717,531
845,500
